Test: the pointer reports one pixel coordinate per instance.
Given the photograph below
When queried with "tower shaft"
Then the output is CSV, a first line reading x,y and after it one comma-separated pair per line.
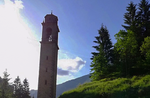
x,y
48,58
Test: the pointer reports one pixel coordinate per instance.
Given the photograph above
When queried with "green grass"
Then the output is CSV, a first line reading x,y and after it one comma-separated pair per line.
x,y
135,87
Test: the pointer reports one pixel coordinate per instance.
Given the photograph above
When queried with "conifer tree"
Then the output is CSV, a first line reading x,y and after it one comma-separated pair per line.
x,y
143,16
6,91
137,20
102,58
103,41
130,17
26,91
18,88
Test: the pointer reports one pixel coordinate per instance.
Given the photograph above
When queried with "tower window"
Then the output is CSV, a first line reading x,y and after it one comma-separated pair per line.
x,y
45,82
49,34
50,38
46,57
46,69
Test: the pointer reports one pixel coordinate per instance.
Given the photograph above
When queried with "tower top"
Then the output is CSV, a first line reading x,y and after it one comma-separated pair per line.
x,y
50,29
51,12
50,18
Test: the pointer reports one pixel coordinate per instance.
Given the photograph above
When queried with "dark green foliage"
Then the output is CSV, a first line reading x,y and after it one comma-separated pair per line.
x,y
146,45
145,50
99,66
103,42
102,59
5,88
128,56
26,91
17,90
126,48
21,90
130,16
125,58
137,20
143,16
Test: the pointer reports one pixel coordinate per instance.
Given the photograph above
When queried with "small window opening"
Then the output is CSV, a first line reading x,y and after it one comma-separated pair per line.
x,y
50,38
49,34
46,69
45,82
46,57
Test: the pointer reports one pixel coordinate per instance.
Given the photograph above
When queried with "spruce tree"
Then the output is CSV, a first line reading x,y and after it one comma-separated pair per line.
x,y
26,91
137,20
103,41
143,15
130,17
6,90
102,58
18,88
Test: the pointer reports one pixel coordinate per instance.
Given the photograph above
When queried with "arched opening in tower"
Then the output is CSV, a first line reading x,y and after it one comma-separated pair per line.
x,y
49,34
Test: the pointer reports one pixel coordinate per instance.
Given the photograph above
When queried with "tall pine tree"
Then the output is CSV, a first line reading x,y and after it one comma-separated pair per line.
x,y
18,88
102,58
143,15
26,92
6,90
130,17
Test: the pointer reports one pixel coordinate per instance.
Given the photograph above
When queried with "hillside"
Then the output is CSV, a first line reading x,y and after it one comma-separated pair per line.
x,y
71,84
135,87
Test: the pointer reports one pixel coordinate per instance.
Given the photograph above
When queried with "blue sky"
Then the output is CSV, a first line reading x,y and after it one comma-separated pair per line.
x,y
78,21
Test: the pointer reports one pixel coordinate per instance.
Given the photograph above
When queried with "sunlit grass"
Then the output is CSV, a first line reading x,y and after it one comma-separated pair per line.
x,y
135,87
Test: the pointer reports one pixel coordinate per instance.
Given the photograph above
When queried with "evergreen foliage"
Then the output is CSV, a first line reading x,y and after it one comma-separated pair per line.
x,y
17,90
5,88
130,55
26,91
102,59
130,16
126,48
145,49
21,90
137,21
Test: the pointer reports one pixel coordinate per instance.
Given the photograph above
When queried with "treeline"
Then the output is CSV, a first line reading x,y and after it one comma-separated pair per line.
x,y
130,55
15,89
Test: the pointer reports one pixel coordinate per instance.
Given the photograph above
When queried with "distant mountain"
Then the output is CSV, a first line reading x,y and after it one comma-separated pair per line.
x,y
33,93
71,84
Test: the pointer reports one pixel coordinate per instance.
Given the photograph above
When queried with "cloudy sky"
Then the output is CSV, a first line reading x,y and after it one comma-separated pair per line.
x,y
78,20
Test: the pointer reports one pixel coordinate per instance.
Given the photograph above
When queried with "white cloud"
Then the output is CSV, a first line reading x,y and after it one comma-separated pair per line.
x,y
19,4
68,65
72,65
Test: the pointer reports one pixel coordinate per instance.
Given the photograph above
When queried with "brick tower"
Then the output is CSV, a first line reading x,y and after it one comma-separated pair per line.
x,y
48,58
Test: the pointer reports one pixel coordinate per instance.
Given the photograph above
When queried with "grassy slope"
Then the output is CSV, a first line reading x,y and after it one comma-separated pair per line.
x,y
135,87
